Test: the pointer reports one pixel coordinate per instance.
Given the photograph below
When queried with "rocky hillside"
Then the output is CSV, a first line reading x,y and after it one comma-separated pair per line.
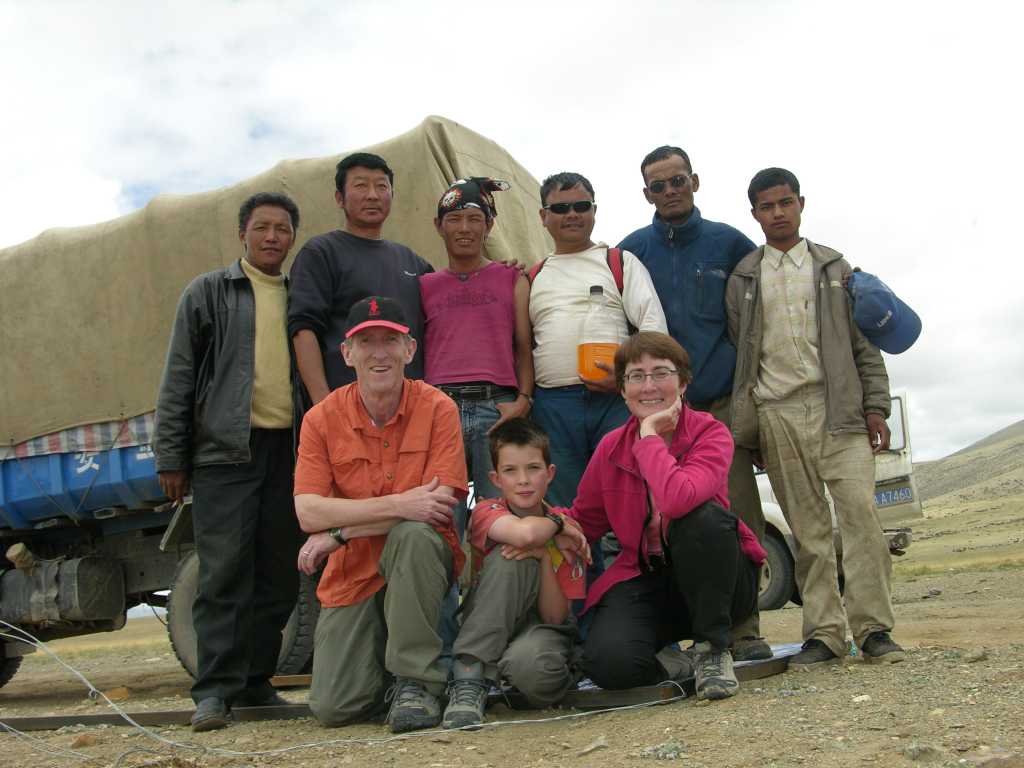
x,y
990,468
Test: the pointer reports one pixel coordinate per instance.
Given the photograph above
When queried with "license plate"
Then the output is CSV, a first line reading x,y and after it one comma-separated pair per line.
x,y
888,497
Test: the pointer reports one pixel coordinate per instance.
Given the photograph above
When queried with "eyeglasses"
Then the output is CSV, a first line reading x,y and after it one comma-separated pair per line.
x,y
658,374
677,182
580,206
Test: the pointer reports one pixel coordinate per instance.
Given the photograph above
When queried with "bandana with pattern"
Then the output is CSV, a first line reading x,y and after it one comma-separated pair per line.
x,y
474,192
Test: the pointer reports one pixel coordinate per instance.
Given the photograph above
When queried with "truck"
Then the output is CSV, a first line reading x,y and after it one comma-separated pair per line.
x,y
896,499
85,531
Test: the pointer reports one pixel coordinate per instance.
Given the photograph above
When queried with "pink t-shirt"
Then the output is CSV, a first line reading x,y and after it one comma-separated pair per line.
x,y
470,325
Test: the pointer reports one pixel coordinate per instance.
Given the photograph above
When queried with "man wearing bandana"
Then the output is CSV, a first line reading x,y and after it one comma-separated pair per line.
x,y
477,336
477,339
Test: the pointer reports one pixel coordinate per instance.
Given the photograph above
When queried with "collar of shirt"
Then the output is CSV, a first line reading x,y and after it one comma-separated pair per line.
x,y
796,254
366,422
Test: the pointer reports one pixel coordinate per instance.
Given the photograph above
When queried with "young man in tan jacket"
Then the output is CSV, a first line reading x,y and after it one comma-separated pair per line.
x,y
811,396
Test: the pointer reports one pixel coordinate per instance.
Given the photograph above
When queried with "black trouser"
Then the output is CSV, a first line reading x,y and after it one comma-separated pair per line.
x,y
247,539
705,586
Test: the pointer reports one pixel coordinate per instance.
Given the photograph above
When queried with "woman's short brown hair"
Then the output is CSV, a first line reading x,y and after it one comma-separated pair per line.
x,y
658,345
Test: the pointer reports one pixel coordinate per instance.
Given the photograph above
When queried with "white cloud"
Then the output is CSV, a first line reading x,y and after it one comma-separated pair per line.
x,y
899,119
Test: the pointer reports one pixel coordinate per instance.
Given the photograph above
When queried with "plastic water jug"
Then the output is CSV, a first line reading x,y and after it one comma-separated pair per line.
x,y
599,336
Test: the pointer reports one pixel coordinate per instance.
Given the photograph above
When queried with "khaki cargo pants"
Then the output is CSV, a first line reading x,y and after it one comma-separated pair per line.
x,y
801,458
501,629
358,649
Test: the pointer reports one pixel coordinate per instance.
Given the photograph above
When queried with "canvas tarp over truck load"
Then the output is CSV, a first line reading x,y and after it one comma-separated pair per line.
x,y
86,313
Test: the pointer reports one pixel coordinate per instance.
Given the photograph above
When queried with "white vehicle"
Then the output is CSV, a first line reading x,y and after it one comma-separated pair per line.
x,y
896,499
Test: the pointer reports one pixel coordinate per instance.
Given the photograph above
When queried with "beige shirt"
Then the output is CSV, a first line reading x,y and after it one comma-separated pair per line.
x,y
272,383
789,344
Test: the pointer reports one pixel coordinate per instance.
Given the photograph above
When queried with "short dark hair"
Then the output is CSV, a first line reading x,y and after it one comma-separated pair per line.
x,y
663,152
275,199
771,177
563,181
522,432
658,345
361,160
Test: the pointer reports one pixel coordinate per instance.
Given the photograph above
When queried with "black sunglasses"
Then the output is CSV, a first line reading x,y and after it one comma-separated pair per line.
x,y
580,206
657,187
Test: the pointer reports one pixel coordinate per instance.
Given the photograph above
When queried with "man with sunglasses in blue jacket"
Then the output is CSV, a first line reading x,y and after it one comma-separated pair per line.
x,y
689,259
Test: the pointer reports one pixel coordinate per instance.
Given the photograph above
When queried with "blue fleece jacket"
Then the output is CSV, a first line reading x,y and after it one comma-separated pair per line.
x,y
689,264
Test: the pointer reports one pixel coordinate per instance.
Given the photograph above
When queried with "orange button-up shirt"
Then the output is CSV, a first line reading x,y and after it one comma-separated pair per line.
x,y
342,454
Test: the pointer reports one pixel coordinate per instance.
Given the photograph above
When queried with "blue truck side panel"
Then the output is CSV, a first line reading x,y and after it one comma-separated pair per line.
x,y
76,485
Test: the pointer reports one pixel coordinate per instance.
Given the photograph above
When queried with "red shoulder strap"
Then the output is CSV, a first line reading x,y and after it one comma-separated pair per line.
x,y
614,257
535,269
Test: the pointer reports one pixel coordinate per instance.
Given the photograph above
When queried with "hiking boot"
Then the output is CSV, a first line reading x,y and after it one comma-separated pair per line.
x,y
210,714
713,673
814,653
751,649
880,648
412,706
467,700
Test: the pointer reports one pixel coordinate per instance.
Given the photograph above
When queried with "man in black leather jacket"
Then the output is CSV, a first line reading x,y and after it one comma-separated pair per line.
x,y
225,427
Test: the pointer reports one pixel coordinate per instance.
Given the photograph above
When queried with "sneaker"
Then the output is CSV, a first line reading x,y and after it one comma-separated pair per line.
x,y
412,706
713,673
210,714
814,653
880,648
467,700
751,649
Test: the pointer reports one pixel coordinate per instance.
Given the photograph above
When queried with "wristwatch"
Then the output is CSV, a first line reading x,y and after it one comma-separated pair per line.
x,y
558,520
529,398
335,533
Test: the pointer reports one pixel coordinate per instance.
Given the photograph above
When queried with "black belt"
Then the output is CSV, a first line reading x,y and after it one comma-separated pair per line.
x,y
475,391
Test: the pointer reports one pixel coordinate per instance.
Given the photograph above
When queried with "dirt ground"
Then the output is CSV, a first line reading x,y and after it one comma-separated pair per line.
x,y
959,595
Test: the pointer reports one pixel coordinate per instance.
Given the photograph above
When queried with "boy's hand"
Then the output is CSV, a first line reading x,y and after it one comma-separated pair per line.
x,y
511,410
571,539
605,384
515,553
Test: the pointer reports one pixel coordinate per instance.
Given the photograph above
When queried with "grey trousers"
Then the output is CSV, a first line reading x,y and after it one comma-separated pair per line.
x,y
359,649
802,458
501,629
744,500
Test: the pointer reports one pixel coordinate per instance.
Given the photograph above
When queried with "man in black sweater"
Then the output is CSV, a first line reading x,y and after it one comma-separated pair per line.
x,y
335,270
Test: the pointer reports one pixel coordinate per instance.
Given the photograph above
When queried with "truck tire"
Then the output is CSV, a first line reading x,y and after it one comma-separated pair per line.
x,y
8,666
778,583
296,637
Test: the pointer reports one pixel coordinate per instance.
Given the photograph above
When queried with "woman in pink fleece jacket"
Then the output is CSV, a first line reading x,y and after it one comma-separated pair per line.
x,y
688,568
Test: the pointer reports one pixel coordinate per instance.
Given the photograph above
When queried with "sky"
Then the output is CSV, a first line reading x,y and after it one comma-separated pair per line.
x,y
898,118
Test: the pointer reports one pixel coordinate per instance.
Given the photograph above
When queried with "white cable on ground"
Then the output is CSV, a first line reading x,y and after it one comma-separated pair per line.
x,y
40,745
364,741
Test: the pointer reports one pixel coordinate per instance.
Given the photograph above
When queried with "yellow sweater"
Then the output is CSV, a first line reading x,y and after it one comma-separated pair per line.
x,y
272,384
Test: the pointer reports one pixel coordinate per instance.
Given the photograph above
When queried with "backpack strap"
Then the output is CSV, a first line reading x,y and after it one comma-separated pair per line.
x,y
614,257
535,270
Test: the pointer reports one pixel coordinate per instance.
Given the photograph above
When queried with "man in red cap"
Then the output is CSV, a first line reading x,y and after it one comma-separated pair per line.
x,y
380,468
